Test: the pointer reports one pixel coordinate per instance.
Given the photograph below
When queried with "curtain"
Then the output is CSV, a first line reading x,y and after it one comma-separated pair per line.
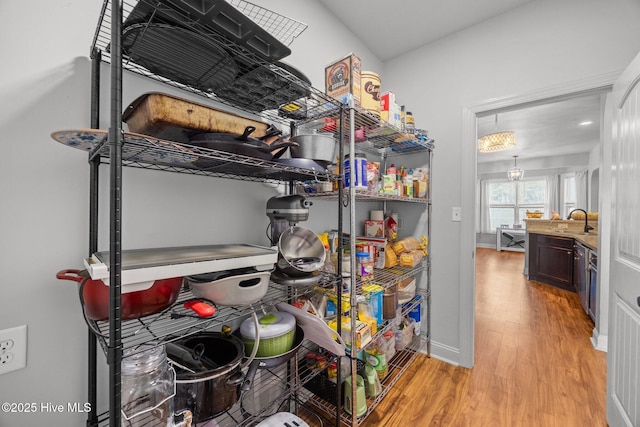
x,y
485,223
581,189
552,202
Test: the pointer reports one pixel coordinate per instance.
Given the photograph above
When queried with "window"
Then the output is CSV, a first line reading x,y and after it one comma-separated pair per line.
x,y
509,201
568,194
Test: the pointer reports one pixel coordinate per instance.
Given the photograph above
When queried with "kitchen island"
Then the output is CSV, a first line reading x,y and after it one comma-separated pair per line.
x,y
557,252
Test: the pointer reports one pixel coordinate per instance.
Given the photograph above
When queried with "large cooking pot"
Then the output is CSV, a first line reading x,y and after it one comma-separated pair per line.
x,y
208,393
94,296
300,252
316,146
242,144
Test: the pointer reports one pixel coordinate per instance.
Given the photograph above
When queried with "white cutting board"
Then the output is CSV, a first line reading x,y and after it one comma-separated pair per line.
x,y
316,330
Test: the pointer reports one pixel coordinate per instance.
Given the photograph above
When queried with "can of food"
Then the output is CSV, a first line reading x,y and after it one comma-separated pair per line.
x,y
390,302
410,123
359,174
370,92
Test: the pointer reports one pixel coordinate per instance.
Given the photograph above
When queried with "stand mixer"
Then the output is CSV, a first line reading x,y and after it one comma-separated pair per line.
x,y
284,213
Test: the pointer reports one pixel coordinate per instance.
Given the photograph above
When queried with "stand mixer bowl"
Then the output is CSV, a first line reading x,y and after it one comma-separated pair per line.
x,y
301,252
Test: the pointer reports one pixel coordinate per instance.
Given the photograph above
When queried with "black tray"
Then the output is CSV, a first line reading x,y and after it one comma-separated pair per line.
x,y
212,15
146,43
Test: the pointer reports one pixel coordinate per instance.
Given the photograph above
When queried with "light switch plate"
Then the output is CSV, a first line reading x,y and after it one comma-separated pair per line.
x,y
456,214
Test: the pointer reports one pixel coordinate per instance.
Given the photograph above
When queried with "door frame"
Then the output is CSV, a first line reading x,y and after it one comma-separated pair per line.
x,y
469,175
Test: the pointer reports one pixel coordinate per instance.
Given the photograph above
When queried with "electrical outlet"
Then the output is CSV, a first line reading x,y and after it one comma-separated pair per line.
x,y
13,349
6,345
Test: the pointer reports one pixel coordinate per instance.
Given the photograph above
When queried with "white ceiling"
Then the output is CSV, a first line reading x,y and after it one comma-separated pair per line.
x,y
392,28
550,129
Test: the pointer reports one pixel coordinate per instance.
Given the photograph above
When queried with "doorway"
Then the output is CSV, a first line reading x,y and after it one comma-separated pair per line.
x,y
471,114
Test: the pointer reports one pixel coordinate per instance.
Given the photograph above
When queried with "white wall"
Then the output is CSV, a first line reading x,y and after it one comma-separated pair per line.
x,y
541,45
44,185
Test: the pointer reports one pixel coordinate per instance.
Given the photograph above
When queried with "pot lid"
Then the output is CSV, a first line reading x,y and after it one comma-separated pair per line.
x,y
271,325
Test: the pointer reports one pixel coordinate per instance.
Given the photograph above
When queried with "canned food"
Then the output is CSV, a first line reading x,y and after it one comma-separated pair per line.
x,y
364,266
359,175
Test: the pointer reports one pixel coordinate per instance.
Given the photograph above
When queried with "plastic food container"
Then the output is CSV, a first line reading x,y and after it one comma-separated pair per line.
x,y
364,266
406,290
238,287
277,332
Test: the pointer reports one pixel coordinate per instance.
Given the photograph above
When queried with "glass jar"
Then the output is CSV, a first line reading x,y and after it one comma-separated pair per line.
x,y
148,387
410,126
311,360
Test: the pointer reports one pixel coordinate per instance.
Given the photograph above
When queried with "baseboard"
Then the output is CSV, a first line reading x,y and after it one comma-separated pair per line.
x,y
486,245
445,353
599,342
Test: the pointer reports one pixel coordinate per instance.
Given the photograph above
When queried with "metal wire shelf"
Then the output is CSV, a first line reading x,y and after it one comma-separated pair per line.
x,y
373,134
397,366
151,153
281,27
365,196
406,309
279,384
177,322
288,86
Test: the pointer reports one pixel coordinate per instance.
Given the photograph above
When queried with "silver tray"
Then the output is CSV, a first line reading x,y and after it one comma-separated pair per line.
x,y
140,267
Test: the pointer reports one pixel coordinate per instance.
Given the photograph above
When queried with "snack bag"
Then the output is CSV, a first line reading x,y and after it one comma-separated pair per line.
x,y
409,244
412,258
391,228
390,257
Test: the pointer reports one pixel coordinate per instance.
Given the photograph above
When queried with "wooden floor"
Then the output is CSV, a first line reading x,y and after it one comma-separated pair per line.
x,y
534,362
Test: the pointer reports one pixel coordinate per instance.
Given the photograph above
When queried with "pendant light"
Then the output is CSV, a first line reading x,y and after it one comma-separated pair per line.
x,y
497,141
515,173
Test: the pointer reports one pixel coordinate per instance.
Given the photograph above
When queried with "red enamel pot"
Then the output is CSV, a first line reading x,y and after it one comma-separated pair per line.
x,y
94,296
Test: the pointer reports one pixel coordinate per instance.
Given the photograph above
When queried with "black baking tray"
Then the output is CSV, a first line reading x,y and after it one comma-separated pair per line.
x,y
211,15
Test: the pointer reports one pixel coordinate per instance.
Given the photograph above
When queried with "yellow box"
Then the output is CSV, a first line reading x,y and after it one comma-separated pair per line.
x,y
363,331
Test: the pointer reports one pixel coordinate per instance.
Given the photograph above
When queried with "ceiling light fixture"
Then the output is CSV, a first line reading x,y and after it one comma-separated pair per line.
x,y
497,141
515,173
586,123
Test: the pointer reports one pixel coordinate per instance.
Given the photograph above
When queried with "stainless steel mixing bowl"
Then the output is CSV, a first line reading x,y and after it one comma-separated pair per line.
x,y
300,252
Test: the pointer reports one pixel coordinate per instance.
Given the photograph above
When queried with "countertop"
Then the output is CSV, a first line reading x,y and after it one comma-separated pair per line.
x,y
573,229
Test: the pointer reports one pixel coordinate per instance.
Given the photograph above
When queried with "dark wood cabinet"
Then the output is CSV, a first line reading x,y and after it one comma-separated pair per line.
x,y
551,260
580,278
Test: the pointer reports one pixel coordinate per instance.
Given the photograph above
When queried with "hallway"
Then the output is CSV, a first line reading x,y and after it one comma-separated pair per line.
x,y
534,362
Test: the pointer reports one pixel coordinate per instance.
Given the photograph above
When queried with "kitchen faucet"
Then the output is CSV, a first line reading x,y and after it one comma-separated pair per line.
x,y
587,227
